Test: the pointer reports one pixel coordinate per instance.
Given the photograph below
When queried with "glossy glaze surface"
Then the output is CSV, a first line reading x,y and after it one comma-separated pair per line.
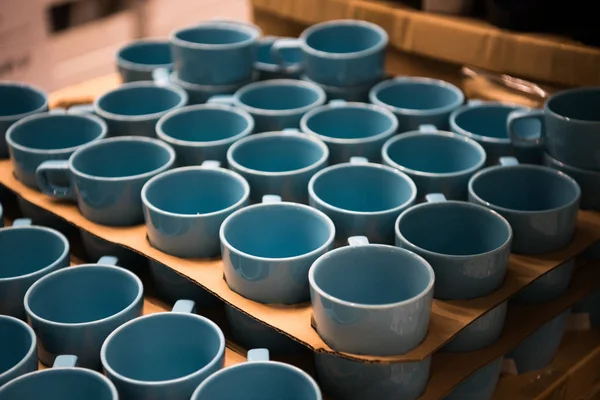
x,y
437,161
18,347
481,333
350,129
549,286
417,101
136,60
279,163
589,182
73,310
185,207
479,385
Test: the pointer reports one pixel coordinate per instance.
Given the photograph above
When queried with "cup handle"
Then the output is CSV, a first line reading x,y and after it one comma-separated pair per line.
x,y
277,56
108,260
508,161
184,306
22,222
358,240
337,103
48,188
290,130
428,128
226,99
65,361
520,115
57,111
475,102
258,355
358,160
211,164
435,197
161,76
271,198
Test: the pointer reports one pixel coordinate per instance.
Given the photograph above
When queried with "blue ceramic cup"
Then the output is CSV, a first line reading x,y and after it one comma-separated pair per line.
x,y
27,253
187,349
17,101
278,163
346,379
275,104
418,101
570,127
540,203
231,48
537,350
339,52
106,179
133,108
268,248
487,123
138,59
587,312
350,129
185,207
588,180
62,381
437,161
467,245
203,132
548,286
480,385
269,68
18,348
74,309
356,93
362,198
49,136
481,333
371,299
261,379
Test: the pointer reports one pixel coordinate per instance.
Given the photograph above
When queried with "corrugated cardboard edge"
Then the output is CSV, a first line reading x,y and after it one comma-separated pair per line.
x,y
456,40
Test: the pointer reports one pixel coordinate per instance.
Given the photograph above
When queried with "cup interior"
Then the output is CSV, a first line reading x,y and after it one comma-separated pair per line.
x,y
349,122
434,153
183,345
372,275
15,343
456,228
279,97
418,95
28,250
17,99
147,53
583,105
59,384
278,231
82,294
204,125
195,191
363,188
277,153
54,132
215,35
344,38
289,55
127,158
139,100
254,381
524,188
491,121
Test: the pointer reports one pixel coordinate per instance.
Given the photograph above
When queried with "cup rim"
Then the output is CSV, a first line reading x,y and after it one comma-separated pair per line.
x,y
384,38
483,104
568,92
161,134
313,196
156,142
68,270
50,267
540,169
78,370
321,96
183,99
499,217
149,205
253,31
401,80
313,210
454,136
121,377
123,62
349,105
277,134
251,364
32,347
29,87
349,248
555,162
177,81
48,115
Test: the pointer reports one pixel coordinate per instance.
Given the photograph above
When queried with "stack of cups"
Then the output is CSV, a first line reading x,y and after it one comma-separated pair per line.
x,y
345,57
